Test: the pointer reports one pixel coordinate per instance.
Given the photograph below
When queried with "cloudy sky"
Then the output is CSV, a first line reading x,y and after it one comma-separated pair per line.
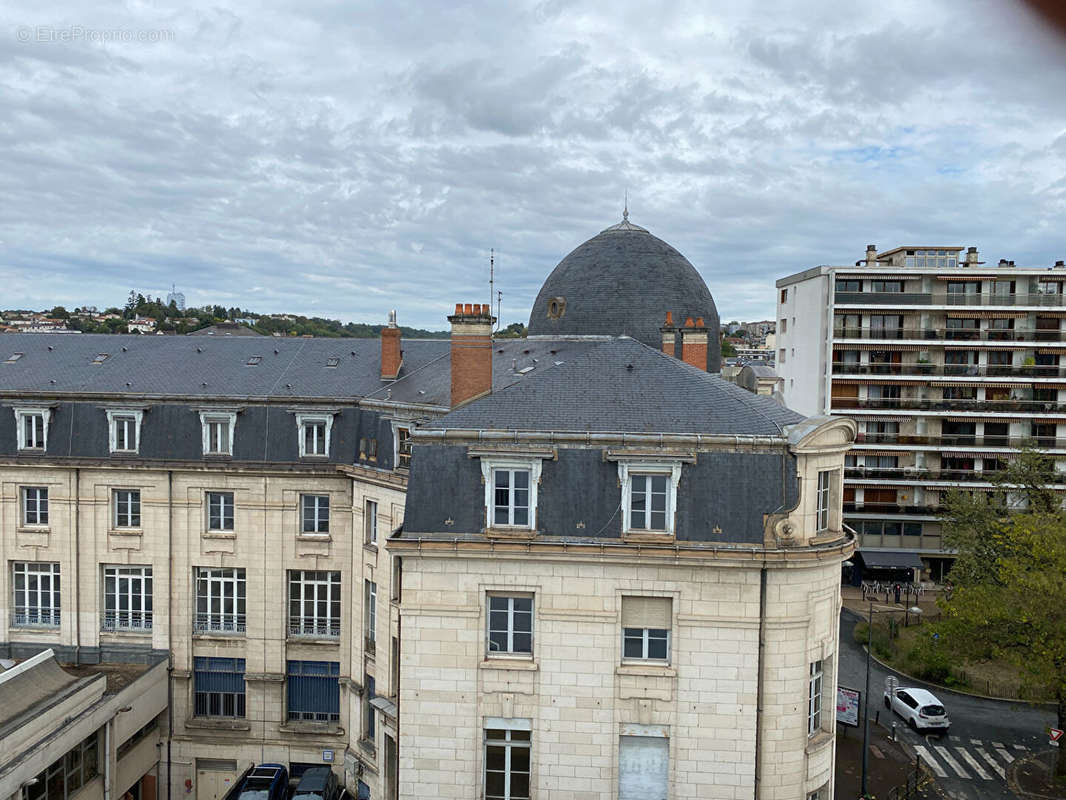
x,y
341,158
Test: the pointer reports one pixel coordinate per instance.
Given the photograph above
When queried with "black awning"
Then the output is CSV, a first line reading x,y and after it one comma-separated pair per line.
x,y
892,559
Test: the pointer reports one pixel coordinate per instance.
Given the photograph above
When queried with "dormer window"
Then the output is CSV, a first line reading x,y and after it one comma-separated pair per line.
x,y
218,432
649,496
124,429
314,431
33,428
401,439
511,492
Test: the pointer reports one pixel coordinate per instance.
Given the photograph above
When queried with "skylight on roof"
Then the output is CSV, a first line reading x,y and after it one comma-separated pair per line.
x,y
11,359
332,361
254,361
101,358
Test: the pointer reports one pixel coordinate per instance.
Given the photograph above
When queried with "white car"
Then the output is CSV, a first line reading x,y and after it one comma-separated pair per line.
x,y
919,707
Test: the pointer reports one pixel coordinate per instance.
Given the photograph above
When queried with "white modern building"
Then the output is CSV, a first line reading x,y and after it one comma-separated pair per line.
x,y
946,364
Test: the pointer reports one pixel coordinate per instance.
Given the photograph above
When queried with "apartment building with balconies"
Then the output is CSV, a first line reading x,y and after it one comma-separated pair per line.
x,y
947,364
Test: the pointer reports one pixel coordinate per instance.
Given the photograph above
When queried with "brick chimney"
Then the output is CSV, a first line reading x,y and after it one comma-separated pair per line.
x,y
871,255
694,343
669,334
471,352
391,354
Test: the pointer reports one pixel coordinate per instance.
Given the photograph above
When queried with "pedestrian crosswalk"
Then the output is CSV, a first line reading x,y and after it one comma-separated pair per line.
x,y
976,761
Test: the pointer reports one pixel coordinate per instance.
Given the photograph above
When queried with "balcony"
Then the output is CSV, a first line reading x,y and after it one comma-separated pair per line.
x,y
924,404
314,627
960,440
29,617
950,334
929,299
219,623
135,621
915,474
890,508
845,368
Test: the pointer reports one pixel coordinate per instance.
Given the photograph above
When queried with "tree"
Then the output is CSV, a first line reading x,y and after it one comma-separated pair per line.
x,y
516,330
1010,576
59,313
728,351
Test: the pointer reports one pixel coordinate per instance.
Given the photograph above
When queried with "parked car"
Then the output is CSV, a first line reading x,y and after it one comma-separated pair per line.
x,y
918,707
264,782
317,783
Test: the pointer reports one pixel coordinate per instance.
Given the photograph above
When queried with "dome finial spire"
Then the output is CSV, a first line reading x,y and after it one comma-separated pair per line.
x,y
625,208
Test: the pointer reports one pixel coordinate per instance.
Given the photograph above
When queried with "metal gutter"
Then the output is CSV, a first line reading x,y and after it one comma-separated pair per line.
x,y
423,435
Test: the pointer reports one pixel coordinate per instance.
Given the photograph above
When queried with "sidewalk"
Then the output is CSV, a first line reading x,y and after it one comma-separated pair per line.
x,y
853,601
888,766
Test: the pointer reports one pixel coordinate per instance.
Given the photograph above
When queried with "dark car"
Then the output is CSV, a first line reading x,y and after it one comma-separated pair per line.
x,y
264,782
317,783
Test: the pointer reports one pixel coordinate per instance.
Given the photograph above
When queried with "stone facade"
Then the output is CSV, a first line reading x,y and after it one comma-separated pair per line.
x,y
267,543
576,693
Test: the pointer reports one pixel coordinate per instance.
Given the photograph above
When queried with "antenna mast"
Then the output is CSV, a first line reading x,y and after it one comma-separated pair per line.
x,y
492,278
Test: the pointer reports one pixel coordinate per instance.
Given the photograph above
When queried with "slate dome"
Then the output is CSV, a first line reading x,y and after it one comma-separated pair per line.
x,y
622,282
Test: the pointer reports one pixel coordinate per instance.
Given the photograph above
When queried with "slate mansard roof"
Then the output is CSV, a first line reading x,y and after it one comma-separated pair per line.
x,y
622,282
623,386
256,368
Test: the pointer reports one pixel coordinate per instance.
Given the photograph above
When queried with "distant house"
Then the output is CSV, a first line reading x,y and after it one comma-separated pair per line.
x,y
224,329
141,325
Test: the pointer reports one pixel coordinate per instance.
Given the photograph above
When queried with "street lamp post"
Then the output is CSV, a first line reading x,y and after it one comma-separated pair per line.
x,y
866,699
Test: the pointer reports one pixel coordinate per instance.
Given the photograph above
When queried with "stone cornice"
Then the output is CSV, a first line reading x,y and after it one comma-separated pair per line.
x,y
679,553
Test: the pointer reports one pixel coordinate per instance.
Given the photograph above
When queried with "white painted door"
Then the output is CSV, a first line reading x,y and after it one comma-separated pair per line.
x,y
643,767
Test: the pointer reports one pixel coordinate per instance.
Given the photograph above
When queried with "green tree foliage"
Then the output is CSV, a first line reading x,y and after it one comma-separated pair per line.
x,y
1009,580
728,351
516,330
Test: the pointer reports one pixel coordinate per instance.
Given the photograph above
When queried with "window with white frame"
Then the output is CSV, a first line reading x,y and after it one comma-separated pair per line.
x,y
649,496
511,492
218,428
825,485
314,603
510,625
124,430
370,614
314,431
314,512
127,508
220,511
220,600
35,599
127,599
508,745
814,699
646,629
370,522
401,438
34,506
33,428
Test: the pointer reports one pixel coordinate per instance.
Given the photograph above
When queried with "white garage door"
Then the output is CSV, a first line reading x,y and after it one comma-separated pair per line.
x,y
643,767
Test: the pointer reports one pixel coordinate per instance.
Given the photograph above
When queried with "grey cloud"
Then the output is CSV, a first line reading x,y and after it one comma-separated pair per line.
x,y
381,153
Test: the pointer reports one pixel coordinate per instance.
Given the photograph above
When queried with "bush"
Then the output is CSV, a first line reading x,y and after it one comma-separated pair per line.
x,y
928,661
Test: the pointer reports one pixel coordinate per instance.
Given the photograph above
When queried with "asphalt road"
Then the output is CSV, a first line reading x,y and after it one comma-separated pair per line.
x,y
972,759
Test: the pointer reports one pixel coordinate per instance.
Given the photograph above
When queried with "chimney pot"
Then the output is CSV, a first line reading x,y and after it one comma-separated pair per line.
x,y
669,319
391,353
471,352
699,322
694,344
